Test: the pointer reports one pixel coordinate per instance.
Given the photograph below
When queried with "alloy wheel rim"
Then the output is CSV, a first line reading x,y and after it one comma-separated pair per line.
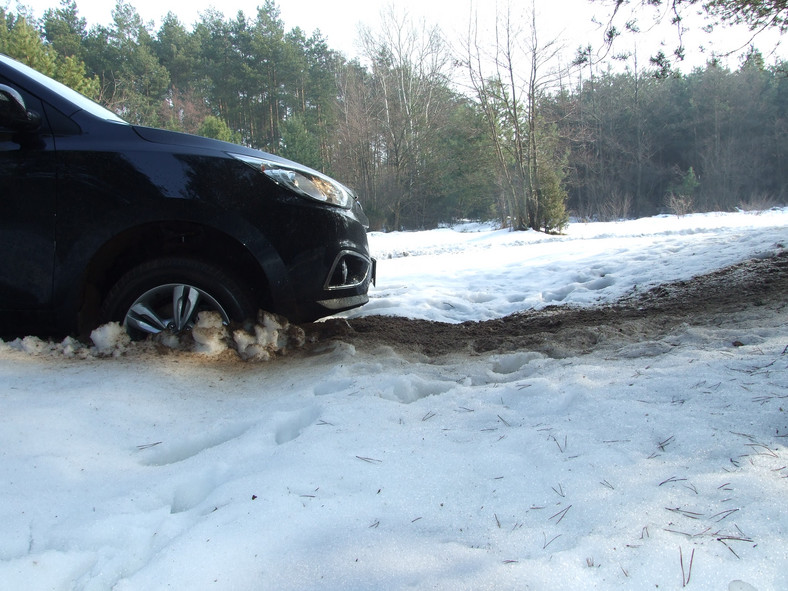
x,y
173,307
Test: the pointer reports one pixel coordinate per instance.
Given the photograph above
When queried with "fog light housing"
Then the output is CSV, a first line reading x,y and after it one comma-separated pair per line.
x,y
350,269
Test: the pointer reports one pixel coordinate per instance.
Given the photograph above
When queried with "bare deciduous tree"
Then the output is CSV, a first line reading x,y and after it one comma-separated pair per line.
x,y
508,80
409,68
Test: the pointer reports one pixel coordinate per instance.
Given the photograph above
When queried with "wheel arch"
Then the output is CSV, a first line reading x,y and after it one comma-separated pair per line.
x,y
137,245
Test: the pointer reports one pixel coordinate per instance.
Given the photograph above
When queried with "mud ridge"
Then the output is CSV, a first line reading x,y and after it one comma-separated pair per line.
x,y
743,293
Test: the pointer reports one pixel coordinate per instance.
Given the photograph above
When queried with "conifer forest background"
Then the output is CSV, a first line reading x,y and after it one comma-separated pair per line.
x,y
428,130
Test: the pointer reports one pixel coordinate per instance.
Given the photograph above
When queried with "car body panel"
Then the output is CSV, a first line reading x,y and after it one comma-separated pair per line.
x,y
84,197
28,171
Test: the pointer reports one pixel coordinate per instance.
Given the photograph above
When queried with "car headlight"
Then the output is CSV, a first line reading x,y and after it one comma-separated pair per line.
x,y
302,181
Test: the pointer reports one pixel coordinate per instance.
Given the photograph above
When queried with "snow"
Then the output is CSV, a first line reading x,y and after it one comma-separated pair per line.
x,y
453,276
661,464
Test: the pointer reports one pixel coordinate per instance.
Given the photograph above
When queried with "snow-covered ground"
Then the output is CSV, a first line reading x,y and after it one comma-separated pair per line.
x,y
661,465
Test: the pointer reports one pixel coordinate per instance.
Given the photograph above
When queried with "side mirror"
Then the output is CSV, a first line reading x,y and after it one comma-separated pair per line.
x,y
13,113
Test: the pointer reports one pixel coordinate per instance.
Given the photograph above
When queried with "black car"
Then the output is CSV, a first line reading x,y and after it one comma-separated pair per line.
x,y
101,220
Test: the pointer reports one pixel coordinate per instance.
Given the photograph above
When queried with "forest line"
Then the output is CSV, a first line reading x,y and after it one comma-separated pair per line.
x,y
515,141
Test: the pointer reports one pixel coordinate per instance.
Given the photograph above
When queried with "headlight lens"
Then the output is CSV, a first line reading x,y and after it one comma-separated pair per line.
x,y
302,181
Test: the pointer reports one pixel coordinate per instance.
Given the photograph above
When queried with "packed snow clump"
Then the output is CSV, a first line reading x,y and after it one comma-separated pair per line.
x,y
269,336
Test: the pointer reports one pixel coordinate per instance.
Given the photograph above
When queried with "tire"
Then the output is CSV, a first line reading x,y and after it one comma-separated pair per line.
x,y
168,294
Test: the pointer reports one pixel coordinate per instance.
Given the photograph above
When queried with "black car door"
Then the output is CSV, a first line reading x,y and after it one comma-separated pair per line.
x,y
27,210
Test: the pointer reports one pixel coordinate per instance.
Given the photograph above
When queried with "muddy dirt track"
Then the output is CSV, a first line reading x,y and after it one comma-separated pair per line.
x,y
755,291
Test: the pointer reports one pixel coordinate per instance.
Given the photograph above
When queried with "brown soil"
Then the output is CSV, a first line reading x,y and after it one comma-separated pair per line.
x,y
753,291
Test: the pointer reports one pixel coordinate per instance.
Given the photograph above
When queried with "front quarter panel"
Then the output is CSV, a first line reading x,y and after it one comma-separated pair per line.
x,y
122,181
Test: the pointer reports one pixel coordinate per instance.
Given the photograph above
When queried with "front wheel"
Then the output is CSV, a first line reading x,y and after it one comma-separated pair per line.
x,y
168,294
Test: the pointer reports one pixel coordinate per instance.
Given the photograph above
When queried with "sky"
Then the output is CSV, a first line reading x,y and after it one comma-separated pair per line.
x,y
571,21
647,461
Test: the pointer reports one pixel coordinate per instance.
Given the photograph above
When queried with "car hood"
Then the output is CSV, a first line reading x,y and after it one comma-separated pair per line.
x,y
185,140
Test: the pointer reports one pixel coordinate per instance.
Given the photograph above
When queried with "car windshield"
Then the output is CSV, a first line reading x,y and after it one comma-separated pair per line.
x,y
80,100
